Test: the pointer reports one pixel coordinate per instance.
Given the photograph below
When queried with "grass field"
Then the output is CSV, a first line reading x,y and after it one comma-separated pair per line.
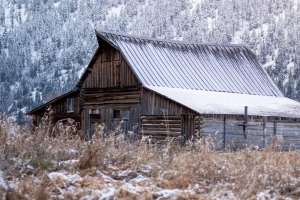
x,y
36,166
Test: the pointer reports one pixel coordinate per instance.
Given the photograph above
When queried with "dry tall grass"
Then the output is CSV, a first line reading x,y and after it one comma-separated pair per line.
x,y
39,166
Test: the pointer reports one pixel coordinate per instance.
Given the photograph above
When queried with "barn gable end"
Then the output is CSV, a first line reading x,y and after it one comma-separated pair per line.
x,y
109,70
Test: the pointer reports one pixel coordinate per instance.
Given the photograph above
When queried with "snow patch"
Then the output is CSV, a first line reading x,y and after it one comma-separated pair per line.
x,y
139,178
54,176
115,10
56,4
169,193
2,182
30,167
236,39
266,194
23,13
68,162
290,66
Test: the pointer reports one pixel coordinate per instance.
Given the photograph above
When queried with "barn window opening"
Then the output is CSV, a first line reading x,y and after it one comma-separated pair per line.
x,y
117,114
125,114
70,106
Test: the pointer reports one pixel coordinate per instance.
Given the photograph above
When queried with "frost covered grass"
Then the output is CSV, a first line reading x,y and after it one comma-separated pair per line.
x,y
37,166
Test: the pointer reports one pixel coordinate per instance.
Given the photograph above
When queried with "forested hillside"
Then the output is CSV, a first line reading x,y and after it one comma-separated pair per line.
x,y
45,45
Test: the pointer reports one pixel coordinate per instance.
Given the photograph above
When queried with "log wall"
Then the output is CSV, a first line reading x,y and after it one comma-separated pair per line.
x,y
161,127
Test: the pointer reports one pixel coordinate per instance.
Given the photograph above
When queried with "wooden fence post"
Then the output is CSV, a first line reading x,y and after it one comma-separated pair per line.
x,y
224,132
245,124
264,130
275,132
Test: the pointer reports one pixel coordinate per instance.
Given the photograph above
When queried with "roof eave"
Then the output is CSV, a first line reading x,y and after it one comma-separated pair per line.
x,y
51,101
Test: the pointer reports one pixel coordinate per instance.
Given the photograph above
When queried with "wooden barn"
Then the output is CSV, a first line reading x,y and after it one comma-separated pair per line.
x,y
163,88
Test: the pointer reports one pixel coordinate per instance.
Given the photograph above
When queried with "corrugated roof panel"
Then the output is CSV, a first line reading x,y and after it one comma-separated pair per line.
x,y
164,67
171,66
150,62
197,69
246,74
227,72
187,75
218,70
253,74
203,56
226,68
143,77
202,66
262,75
146,69
230,71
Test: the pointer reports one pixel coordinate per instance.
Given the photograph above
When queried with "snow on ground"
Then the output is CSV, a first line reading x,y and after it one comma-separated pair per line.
x,y
139,178
68,162
95,184
102,186
2,182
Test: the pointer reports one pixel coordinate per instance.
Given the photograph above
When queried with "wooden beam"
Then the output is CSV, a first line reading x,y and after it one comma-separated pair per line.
x,y
245,122
224,132
264,130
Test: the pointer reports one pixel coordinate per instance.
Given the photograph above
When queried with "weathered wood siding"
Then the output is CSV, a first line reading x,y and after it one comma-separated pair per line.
x,y
228,130
154,104
161,127
110,70
212,130
110,85
104,101
188,126
288,135
59,109
100,98
161,108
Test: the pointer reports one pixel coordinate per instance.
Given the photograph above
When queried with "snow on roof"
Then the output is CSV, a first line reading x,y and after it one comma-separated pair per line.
x,y
210,102
211,67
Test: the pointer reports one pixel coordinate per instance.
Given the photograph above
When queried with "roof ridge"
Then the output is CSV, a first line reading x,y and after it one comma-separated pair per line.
x,y
171,41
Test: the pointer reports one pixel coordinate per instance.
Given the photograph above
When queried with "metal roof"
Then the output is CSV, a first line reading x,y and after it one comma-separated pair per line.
x,y
209,67
210,102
